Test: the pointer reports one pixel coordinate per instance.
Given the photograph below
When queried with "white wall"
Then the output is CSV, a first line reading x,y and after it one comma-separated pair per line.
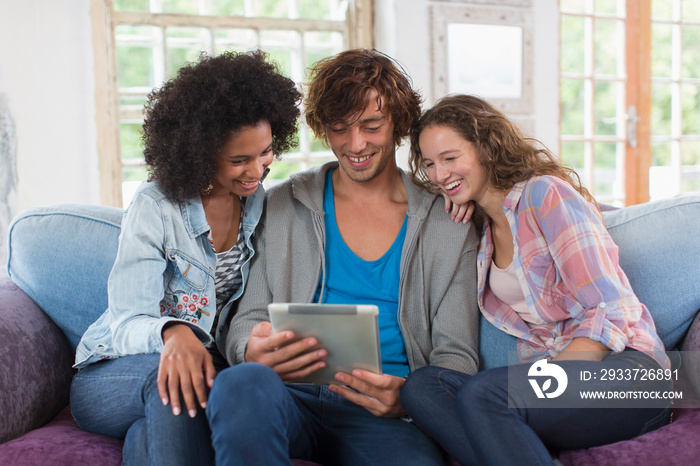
x,y
46,72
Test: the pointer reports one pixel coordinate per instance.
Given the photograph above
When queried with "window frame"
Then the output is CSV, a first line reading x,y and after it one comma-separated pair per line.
x,y
590,77
357,30
637,129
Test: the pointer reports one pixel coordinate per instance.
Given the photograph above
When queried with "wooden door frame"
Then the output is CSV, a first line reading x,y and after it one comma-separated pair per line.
x,y
638,94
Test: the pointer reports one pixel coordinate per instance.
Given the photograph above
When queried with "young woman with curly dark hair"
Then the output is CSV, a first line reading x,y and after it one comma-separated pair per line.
x,y
185,247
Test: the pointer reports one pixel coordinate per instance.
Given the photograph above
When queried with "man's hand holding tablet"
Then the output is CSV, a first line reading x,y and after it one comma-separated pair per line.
x,y
348,333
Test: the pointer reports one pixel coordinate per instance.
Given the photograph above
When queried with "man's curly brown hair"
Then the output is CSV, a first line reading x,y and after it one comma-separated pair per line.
x,y
340,86
191,117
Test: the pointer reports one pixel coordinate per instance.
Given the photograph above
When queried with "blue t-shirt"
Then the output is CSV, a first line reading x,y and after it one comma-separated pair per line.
x,y
351,280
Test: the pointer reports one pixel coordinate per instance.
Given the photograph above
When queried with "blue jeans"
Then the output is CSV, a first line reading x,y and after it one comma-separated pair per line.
x,y
256,419
119,398
482,420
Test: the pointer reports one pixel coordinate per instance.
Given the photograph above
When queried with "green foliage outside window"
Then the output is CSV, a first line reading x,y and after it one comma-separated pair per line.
x,y
572,44
572,155
141,67
605,108
310,9
131,5
132,146
571,92
661,154
605,55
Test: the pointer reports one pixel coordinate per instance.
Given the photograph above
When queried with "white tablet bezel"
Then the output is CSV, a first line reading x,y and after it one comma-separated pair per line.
x,y
349,332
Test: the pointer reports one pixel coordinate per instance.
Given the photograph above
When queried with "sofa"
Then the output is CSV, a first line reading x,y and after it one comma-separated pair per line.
x,y
45,309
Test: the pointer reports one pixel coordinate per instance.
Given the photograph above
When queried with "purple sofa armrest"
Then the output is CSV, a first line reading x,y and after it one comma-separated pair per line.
x,y
35,364
690,349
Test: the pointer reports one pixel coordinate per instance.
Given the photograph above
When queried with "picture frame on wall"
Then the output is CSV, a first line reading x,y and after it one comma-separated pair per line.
x,y
486,52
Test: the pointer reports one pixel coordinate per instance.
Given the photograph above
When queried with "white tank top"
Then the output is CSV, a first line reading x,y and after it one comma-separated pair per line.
x,y
505,285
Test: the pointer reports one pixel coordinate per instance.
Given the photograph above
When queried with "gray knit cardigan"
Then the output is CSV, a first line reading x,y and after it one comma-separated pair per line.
x,y
438,312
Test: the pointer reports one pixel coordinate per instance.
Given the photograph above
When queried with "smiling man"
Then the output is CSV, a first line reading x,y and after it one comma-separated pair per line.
x,y
354,231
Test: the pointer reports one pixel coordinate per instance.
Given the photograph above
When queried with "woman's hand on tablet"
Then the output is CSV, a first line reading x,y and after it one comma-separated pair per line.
x,y
290,359
377,393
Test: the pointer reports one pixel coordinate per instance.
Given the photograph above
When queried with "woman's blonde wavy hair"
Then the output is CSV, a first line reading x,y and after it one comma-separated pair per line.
x,y
506,155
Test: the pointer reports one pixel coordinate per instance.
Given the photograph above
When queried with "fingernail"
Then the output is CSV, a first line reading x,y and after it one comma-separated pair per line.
x,y
340,377
165,401
176,411
193,412
203,405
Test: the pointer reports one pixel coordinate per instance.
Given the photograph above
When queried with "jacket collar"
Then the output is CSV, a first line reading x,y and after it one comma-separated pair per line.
x,y
192,211
307,188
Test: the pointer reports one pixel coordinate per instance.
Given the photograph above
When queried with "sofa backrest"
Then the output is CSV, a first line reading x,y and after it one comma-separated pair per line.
x,y
61,257
659,251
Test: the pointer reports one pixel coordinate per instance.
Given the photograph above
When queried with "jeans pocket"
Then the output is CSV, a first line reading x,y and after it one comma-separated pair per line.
x,y
657,421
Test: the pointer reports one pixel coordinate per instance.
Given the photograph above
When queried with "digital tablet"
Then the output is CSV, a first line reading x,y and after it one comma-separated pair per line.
x,y
349,333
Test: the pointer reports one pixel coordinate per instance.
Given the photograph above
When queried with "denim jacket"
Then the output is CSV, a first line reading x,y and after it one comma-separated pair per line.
x,y
164,271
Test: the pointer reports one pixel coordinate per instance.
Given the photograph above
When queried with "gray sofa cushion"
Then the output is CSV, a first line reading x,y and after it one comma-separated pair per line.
x,y
71,283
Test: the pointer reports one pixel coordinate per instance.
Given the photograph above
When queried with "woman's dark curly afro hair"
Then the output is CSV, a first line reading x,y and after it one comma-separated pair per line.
x,y
191,117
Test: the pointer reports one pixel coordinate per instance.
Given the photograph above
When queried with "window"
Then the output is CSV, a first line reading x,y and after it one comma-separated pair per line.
x,y
151,39
592,92
630,101
675,94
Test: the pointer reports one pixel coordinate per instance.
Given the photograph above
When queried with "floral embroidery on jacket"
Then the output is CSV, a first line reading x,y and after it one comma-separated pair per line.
x,y
184,306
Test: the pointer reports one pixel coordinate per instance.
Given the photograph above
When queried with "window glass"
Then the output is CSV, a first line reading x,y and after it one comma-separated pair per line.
x,y
136,56
572,30
605,170
572,111
235,39
661,37
691,109
313,9
661,108
157,37
131,5
691,52
185,45
228,7
573,5
605,107
690,166
271,8
662,9
606,53
572,154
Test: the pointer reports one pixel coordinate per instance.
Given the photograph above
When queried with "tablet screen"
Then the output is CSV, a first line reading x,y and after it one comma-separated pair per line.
x,y
348,332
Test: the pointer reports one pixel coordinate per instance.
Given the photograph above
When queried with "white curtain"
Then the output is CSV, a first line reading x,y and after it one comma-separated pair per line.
x,y
8,176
